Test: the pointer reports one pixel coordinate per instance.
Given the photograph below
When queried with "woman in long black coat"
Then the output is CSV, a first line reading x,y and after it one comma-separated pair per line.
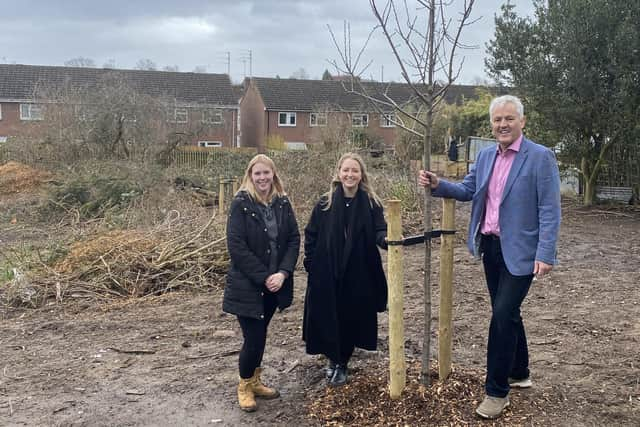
x,y
263,242
346,283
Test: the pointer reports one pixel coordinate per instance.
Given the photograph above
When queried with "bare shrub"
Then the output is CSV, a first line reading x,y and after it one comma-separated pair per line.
x,y
108,119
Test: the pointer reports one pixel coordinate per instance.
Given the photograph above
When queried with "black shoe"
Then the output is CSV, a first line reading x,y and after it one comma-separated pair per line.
x,y
339,376
331,367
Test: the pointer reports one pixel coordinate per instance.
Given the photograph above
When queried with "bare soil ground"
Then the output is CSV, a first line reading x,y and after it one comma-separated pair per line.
x,y
172,359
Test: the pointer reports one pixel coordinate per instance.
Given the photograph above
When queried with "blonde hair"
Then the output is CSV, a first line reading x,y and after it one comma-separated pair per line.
x,y
277,189
364,181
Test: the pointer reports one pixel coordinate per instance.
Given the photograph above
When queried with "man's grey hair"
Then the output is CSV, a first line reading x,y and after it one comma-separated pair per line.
x,y
506,99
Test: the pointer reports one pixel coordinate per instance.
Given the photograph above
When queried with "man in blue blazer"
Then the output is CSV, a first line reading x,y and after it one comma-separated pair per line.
x,y
515,218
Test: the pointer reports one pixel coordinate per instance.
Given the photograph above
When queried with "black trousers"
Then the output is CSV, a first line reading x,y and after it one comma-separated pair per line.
x,y
507,352
254,332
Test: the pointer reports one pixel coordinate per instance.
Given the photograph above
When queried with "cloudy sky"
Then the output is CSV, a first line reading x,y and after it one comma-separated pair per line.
x,y
282,36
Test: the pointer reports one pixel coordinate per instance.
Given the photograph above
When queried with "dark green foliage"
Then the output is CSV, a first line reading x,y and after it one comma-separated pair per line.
x,y
577,67
228,163
93,196
360,138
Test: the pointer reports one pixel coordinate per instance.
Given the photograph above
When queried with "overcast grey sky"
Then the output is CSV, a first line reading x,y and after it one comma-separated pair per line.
x,y
282,35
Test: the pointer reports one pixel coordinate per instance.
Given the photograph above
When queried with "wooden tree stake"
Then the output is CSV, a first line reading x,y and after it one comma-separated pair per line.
x,y
446,289
221,195
397,363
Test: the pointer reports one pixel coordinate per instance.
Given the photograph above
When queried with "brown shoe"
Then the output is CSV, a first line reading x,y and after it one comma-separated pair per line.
x,y
492,407
246,398
261,390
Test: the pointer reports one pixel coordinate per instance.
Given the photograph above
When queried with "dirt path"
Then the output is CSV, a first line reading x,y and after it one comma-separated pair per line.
x,y
171,360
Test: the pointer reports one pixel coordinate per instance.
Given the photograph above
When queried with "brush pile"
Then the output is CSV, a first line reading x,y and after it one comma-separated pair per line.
x,y
128,263
17,177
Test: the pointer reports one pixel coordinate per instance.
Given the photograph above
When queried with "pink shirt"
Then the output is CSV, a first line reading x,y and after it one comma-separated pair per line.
x,y
501,168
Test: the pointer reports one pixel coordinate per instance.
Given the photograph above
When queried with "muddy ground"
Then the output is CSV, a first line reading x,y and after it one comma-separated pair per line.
x,y
172,360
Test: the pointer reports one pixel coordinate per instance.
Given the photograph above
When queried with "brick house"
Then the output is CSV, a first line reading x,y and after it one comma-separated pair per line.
x,y
201,106
300,111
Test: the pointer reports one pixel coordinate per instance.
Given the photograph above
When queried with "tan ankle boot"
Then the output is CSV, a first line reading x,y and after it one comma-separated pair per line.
x,y
246,398
261,390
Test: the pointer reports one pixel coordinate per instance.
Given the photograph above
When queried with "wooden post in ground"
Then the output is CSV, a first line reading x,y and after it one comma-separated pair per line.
x,y
221,195
235,185
445,324
397,364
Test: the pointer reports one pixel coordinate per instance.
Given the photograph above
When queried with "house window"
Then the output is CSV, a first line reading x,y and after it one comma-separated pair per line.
x,y
86,113
318,119
178,115
286,119
210,144
212,116
360,120
387,120
295,146
31,112
131,117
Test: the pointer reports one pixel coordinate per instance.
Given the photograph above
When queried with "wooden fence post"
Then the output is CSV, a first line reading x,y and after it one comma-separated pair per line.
x,y
235,185
445,323
221,196
397,364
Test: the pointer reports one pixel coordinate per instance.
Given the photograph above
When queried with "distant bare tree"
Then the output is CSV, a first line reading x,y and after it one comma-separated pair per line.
x,y
424,41
332,129
300,74
80,61
173,68
200,69
111,64
146,64
110,119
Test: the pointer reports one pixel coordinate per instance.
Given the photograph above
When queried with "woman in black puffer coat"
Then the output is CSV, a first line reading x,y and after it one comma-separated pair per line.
x,y
263,242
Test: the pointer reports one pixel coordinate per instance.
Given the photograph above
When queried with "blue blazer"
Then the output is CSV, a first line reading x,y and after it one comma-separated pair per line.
x,y
529,214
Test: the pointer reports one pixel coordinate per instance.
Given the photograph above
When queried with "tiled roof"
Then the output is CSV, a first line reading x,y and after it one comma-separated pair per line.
x,y
21,82
310,95
238,91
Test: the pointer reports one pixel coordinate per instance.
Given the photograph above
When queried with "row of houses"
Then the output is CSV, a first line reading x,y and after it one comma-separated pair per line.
x,y
206,107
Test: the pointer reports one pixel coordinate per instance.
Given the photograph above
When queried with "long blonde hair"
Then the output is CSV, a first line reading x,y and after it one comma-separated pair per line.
x,y
277,189
364,181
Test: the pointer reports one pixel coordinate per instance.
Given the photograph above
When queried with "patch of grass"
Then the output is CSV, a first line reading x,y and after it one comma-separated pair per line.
x,y
7,273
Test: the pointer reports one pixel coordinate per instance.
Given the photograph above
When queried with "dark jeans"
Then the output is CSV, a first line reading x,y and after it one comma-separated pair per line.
x,y
507,352
254,332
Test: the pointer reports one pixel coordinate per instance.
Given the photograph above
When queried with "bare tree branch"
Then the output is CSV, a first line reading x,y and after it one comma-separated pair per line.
x,y
427,61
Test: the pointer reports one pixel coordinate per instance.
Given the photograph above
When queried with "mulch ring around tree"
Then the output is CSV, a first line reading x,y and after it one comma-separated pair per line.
x,y
365,401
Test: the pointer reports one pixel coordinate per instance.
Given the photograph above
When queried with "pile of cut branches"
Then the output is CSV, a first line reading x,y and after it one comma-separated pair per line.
x,y
17,177
128,263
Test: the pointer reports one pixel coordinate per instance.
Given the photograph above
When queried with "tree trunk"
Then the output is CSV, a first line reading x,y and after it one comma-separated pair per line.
x,y
591,171
587,178
426,343
589,193
425,377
